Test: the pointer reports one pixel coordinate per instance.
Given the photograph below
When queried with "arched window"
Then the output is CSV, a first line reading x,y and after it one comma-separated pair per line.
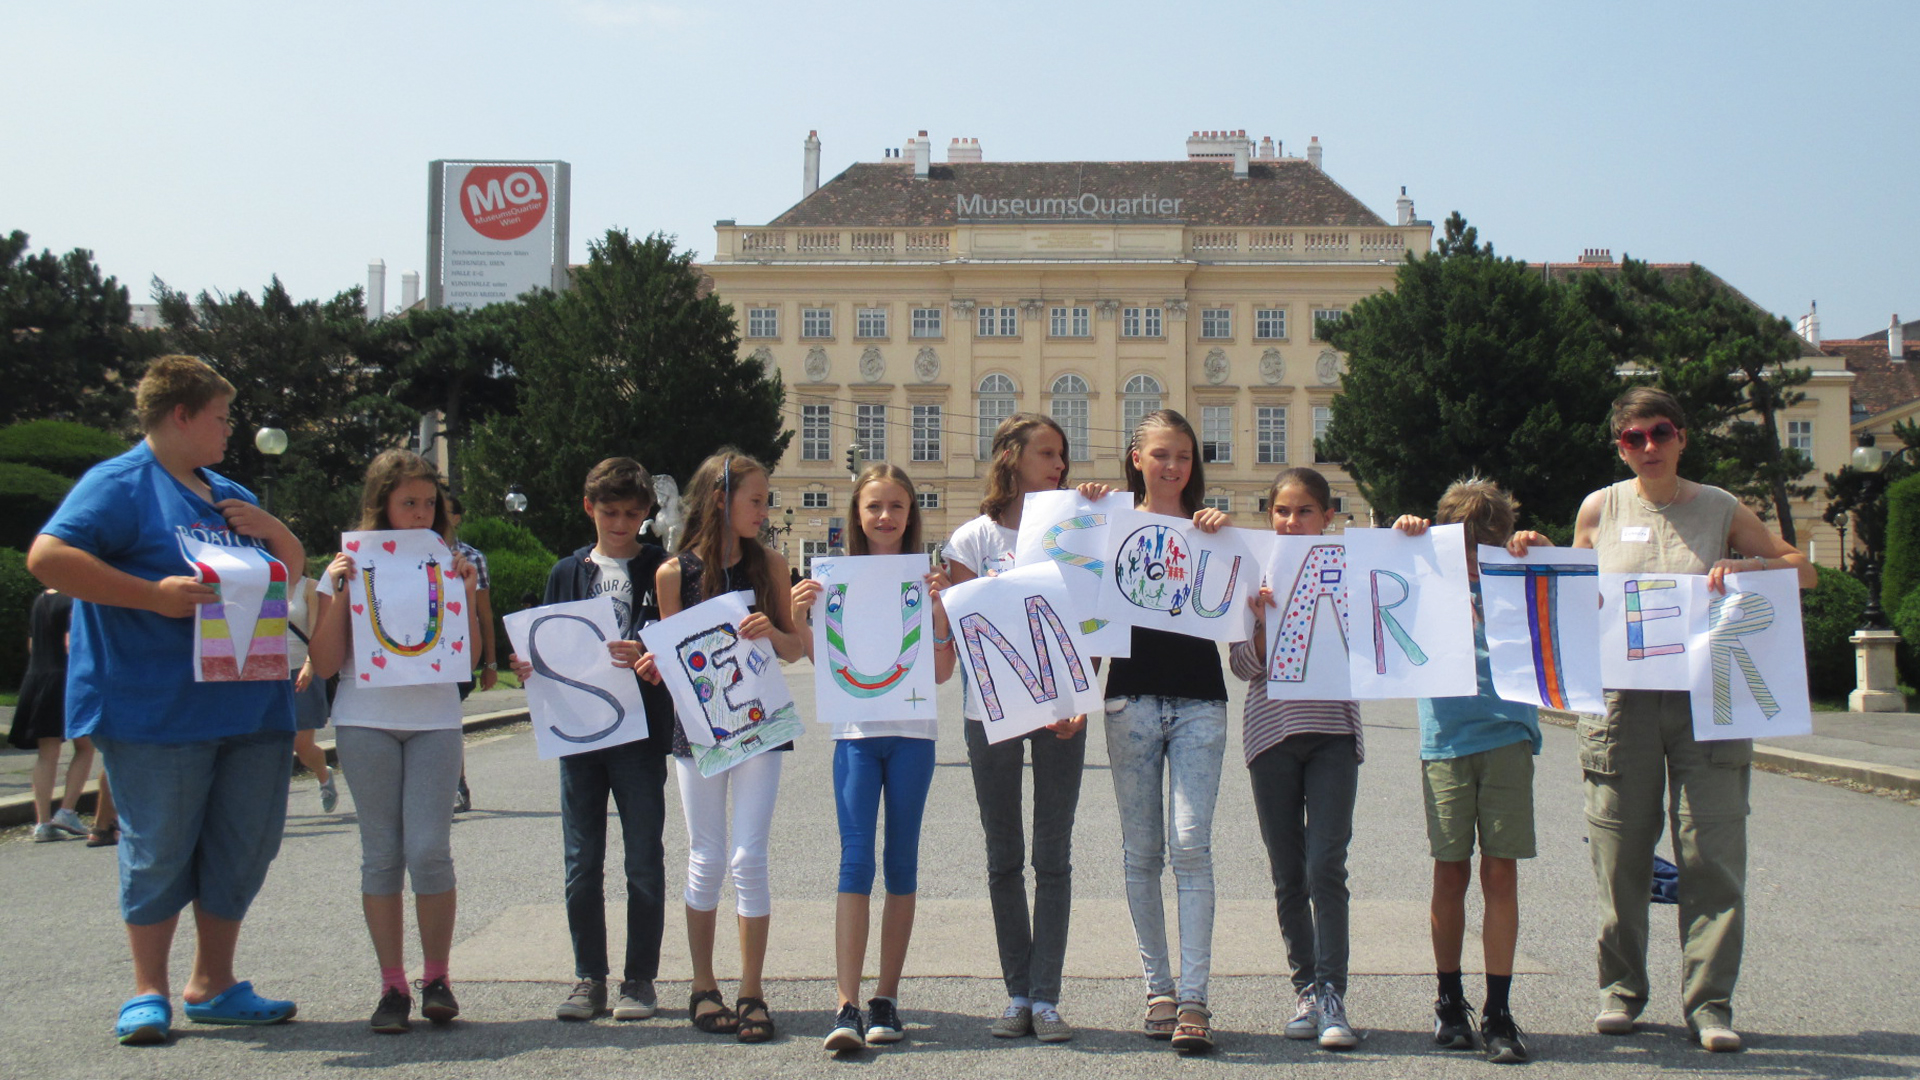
x,y
995,403
1141,396
1070,411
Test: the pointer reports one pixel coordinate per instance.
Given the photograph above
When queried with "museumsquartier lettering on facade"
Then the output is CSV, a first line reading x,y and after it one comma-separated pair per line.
x,y
1088,205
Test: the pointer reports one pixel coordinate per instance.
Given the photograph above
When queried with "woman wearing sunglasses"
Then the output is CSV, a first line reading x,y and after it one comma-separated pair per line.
x,y
1657,522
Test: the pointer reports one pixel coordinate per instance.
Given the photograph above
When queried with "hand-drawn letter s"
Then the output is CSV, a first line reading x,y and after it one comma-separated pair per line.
x,y
540,667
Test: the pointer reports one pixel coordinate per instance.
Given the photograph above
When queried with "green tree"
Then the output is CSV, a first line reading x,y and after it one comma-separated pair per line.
x,y
1472,363
632,360
65,343
1862,496
457,360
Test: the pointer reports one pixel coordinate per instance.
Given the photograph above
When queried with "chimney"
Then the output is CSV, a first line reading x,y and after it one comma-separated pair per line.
x,y
376,289
810,178
964,150
1313,152
1809,327
922,156
1266,148
1896,341
1405,207
1596,256
1240,149
409,290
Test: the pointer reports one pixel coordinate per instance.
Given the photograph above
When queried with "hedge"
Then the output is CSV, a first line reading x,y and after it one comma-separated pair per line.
x,y
59,446
28,497
17,591
1902,570
1830,612
492,534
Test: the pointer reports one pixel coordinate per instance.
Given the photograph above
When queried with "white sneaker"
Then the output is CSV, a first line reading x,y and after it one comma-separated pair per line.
x,y
1335,1033
68,822
1306,1016
46,833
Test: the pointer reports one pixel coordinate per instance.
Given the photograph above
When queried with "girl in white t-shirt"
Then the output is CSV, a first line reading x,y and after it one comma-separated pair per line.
x,y
400,750
894,759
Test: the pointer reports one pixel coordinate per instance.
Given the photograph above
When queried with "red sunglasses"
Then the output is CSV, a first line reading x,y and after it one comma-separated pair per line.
x,y
1639,438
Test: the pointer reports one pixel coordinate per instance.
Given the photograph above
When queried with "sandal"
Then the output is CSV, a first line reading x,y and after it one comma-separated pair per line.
x,y
145,1020
1194,1036
1162,1017
719,1021
107,837
238,1004
751,1030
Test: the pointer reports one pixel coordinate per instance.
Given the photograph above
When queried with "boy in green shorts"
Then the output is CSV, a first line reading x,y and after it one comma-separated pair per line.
x,y
1476,756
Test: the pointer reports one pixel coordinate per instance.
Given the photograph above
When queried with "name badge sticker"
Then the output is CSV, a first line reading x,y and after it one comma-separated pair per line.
x,y
1635,534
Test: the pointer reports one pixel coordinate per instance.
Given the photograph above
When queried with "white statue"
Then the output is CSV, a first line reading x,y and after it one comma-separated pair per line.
x,y
668,521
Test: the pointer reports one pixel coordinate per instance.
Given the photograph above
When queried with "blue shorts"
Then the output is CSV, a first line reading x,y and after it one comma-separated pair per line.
x,y
199,822
900,770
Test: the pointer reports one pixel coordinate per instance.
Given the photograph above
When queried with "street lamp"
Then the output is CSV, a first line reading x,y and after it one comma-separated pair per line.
x,y
1871,461
271,442
516,502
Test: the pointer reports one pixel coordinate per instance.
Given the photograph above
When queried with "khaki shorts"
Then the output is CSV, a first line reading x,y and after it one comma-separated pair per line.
x,y
1491,791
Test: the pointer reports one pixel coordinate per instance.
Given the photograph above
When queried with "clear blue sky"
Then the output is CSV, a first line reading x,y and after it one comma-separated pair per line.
x,y
217,144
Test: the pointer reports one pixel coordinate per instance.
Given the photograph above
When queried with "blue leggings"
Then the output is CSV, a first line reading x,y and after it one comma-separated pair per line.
x,y
863,769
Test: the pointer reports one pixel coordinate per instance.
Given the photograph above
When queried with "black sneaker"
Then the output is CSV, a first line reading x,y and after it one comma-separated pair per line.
x,y
883,1021
1502,1038
847,1028
390,1016
436,1001
1453,1023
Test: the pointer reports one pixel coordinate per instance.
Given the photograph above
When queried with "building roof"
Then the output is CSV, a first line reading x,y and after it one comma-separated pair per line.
x,y
1879,383
1280,192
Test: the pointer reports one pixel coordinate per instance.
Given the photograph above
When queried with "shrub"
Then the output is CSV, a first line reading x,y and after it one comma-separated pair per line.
x,y
17,591
59,446
514,575
28,497
1902,570
1907,621
1830,612
492,534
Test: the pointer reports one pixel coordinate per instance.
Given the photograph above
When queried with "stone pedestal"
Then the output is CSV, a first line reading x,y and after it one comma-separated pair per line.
x,y
1877,681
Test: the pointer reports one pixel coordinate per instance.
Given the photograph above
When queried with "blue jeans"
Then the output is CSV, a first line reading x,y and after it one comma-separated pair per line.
x,y
1303,790
636,776
199,822
1150,739
864,769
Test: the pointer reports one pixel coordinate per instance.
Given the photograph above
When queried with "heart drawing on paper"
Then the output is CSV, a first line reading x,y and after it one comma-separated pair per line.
x,y
359,609
366,677
353,545
379,661
436,665
458,645
389,546
453,606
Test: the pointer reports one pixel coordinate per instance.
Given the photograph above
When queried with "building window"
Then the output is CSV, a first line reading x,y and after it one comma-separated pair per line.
x,y
1322,319
1070,322
998,322
1222,503
1142,396
1216,322
928,500
870,428
1322,416
926,433
1270,434
816,432
1070,410
926,322
1140,322
1270,324
1216,434
813,500
763,322
870,322
1800,436
994,405
809,551
816,322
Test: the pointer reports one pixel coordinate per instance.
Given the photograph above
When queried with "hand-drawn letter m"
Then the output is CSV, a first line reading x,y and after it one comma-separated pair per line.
x,y
1038,676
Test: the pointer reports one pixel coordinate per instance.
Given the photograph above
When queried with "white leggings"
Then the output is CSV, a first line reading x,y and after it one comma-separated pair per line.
x,y
756,784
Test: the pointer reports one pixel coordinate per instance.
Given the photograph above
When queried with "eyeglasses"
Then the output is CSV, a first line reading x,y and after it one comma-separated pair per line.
x,y
1639,438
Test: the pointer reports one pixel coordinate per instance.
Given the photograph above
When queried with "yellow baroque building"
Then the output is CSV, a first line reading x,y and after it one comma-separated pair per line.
x,y
910,306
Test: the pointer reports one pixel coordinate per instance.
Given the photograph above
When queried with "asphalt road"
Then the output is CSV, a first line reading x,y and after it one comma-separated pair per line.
x,y
1830,964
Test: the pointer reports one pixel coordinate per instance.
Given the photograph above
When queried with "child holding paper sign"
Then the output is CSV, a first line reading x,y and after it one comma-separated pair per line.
x,y
1303,758
1476,758
894,758
400,749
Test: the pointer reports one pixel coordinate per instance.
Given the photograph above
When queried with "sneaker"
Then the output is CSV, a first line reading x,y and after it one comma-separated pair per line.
x,y
68,822
329,794
636,1001
1048,1027
1335,1033
462,798
1016,1022
1613,1022
390,1016
883,1021
1306,1016
847,1028
1502,1038
588,1000
1453,1023
47,832
436,1001
1718,1039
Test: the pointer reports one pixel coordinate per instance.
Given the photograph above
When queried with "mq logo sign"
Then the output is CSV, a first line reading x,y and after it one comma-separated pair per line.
x,y
503,202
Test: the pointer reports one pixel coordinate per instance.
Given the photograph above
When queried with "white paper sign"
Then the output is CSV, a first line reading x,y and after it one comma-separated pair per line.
x,y
409,610
872,639
1646,622
578,698
1169,575
240,635
728,691
1307,626
1411,608
1025,658
1749,664
1070,530
1543,627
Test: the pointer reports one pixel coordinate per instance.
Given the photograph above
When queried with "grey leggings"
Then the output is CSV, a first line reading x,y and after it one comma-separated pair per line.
x,y
403,784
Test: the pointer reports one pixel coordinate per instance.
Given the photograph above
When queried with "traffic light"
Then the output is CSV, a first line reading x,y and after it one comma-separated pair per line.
x,y
853,460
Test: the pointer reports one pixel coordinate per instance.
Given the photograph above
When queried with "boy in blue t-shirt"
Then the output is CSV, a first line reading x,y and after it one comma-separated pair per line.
x,y
1476,757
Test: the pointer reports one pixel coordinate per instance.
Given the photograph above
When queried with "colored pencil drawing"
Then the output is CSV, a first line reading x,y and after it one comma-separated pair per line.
x,y
1321,579
1547,656
1037,678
